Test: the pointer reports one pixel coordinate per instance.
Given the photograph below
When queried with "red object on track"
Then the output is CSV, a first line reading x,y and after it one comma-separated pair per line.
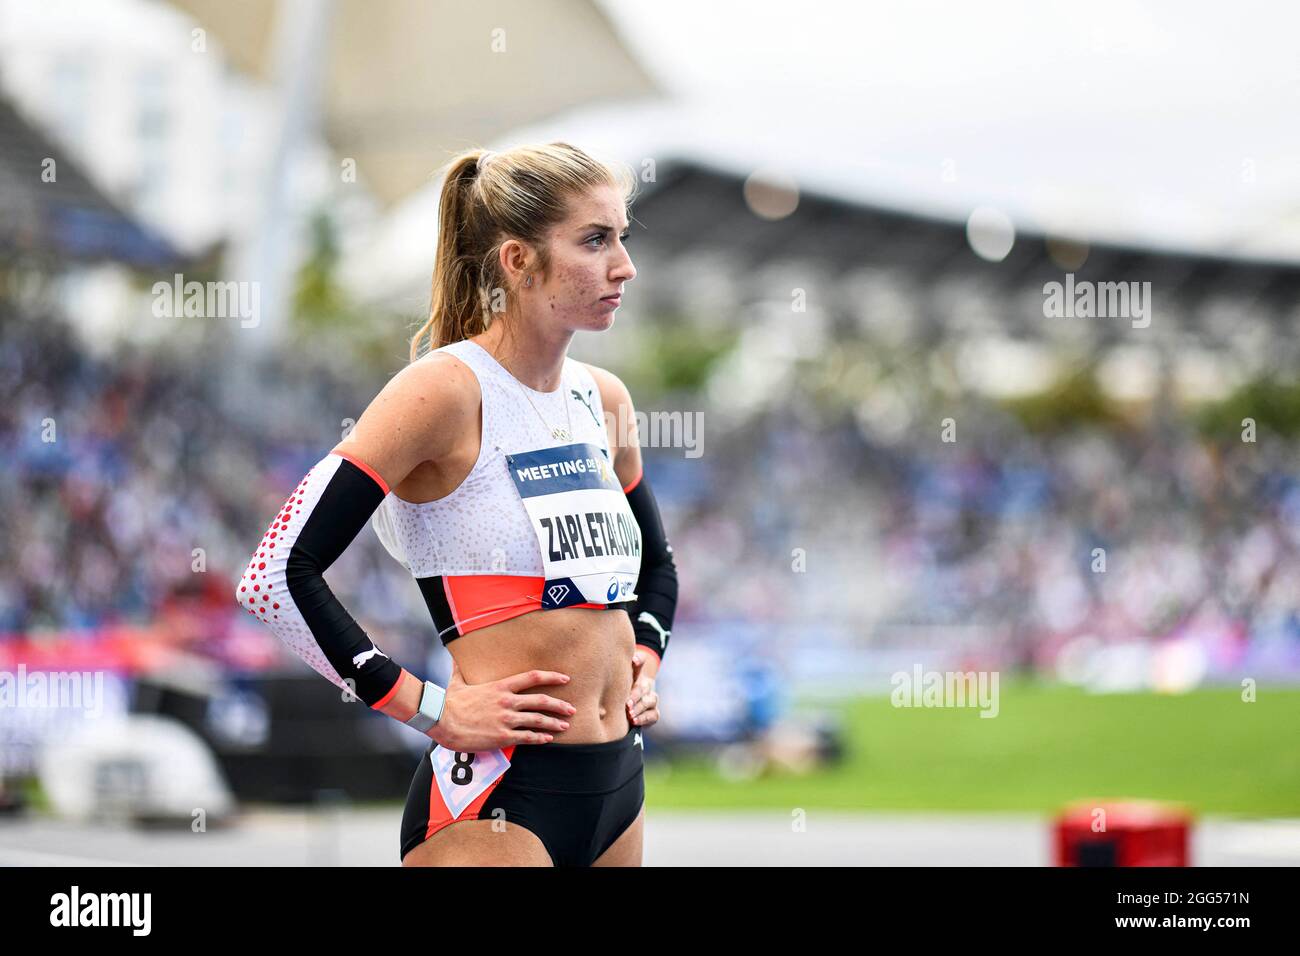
x,y
1122,833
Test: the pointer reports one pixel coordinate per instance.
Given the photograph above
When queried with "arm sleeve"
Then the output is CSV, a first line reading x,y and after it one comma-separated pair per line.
x,y
284,585
656,587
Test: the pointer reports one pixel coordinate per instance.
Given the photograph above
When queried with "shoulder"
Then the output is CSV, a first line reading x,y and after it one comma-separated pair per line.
x,y
419,415
437,383
442,372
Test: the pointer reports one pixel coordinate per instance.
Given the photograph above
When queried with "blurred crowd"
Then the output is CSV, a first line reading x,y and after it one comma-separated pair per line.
x,y
1005,546
134,488
1113,536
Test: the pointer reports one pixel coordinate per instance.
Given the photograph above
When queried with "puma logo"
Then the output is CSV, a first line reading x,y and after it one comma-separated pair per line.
x,y
586,401
366,655
650,619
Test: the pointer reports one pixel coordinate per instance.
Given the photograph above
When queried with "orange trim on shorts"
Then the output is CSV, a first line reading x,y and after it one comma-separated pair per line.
x,y
364,467
477,600
440,816
635,481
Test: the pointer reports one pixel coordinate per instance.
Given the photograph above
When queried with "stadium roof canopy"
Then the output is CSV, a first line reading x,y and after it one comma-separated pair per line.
x,y
693,211
52,211
405,83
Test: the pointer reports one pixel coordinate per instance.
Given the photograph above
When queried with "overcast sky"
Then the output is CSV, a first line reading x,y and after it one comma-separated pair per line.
x,y
1174,124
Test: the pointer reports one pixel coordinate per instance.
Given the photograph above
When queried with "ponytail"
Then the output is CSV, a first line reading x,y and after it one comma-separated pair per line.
x,y
453,312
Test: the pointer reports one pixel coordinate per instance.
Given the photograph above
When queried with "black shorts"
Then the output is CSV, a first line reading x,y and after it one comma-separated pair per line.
x,y
577,798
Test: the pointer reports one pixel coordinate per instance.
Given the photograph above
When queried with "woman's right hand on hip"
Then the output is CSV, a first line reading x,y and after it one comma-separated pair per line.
x,y
477,717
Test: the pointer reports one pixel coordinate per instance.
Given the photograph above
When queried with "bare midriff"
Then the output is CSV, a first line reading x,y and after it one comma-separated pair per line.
x,y
594,647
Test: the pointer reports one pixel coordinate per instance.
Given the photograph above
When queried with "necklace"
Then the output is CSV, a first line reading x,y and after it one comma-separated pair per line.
x,y
558,433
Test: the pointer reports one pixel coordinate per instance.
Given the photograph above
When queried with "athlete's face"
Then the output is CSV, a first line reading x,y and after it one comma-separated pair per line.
x,y
588,263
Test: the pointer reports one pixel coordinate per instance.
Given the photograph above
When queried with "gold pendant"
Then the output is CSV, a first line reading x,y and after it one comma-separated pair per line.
x,y
560,433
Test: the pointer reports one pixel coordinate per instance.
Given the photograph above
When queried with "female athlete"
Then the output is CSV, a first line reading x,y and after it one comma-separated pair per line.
x,y
507,478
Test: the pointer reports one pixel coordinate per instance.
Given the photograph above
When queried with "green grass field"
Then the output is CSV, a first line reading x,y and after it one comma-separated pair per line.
x,y
1049,745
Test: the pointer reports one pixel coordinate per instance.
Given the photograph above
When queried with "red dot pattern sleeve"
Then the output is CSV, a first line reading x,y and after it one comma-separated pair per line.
x,y
283,584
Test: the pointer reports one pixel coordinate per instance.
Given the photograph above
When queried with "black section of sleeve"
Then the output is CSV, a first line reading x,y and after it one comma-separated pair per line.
x,y
344,507
657,583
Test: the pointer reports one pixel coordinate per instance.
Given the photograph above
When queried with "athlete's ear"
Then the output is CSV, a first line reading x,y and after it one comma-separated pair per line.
x,y
516,259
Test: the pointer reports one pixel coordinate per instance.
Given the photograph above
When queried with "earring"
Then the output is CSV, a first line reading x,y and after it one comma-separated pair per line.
x,y
529,281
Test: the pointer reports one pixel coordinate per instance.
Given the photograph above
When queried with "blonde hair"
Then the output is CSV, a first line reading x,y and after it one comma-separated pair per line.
x,y
487,199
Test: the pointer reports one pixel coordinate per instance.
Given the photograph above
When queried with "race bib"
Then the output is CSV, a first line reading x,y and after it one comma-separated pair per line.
x,y
462,776
588,536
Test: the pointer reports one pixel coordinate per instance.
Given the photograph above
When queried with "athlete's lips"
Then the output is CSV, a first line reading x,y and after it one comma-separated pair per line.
x,y
616,298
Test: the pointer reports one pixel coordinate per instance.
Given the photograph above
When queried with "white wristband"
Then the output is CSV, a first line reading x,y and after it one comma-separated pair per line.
x,y
431,704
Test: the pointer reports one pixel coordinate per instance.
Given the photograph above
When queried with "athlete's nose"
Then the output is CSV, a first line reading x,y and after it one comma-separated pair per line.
x,y
623,270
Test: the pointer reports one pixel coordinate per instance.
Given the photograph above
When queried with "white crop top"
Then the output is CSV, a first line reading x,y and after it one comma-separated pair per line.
x,y
485,527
